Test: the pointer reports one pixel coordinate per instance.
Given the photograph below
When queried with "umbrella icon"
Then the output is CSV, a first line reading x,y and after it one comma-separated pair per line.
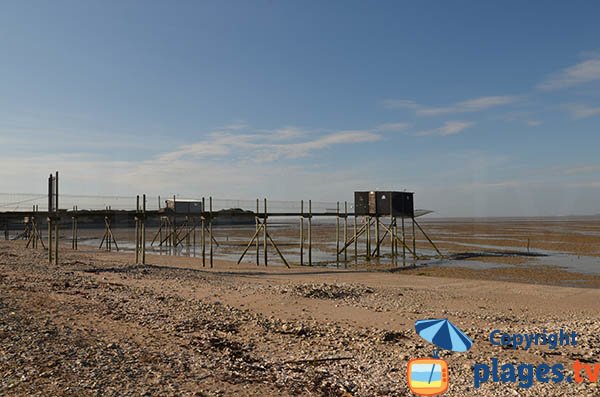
x,y
443,334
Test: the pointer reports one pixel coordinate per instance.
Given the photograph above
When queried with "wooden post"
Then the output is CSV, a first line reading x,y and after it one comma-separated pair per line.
x,y
49,218
257,234
34,229
187,236
355,240
57,223
414,240
377,236
210,230
394,241
143,230
309,232
76,228
428,239
174,231
137,229
345,233
368,237
301,232
203,236
194,236
392,234
403,243
337,235
73,229
265,233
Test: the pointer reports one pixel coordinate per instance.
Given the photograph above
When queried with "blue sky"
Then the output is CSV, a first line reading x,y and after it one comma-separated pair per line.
x,y
481,108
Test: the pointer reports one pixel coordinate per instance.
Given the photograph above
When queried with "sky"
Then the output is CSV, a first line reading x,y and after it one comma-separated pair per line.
x,y
480,108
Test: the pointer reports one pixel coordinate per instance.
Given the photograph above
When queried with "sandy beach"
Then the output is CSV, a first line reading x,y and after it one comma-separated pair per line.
x,y
99,325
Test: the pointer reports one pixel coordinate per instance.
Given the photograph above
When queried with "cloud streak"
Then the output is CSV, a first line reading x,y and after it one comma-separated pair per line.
x,y
269,146
448,128
581,111
467,106
584,72
393,127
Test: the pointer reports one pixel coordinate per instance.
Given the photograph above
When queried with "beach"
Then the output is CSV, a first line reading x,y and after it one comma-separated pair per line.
x,y
100,325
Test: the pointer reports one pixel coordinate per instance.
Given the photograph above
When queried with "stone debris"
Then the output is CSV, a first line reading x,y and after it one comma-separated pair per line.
x,y
332,291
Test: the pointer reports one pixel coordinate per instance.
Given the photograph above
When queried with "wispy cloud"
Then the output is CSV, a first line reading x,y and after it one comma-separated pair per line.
x,y
584,72
268,146
392,127
448,128
581,111
583,169
234,126
467,106
400,104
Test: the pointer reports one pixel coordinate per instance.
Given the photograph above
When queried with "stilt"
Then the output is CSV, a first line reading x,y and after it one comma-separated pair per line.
x,y
355,241
337,235
265,233
345,233
368,247
203,234
57,223
403,243
309,232
174,227
392,236
414,241
377,236
137,229
194,236
428,239
144,229
210,230
301,232
258,228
